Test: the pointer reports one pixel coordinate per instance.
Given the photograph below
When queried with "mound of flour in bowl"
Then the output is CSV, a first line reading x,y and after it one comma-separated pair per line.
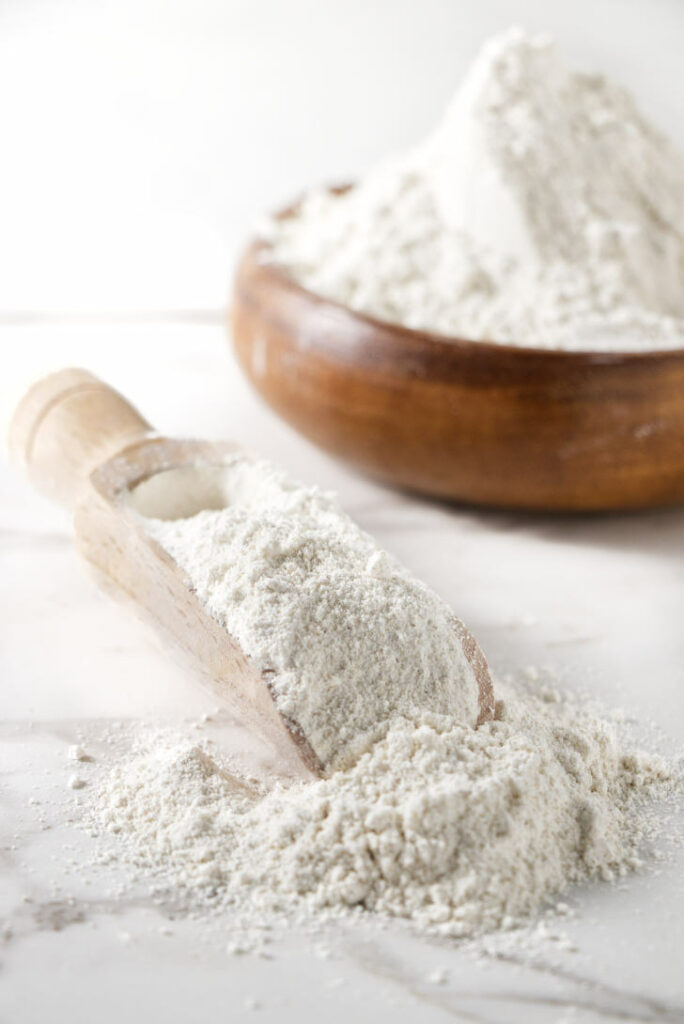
x,y
345,636
545,210
458,830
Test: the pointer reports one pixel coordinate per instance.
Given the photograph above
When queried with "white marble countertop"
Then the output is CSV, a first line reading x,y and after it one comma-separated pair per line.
x,y
596,602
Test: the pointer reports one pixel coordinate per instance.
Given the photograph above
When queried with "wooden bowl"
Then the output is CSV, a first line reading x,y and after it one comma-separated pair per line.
x,y
468,421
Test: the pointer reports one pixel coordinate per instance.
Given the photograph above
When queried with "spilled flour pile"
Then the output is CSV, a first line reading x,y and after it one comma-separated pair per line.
x,y
459,830
455,828
545,210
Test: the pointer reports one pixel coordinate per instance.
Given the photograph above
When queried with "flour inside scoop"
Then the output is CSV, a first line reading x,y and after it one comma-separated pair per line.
x,y
344,635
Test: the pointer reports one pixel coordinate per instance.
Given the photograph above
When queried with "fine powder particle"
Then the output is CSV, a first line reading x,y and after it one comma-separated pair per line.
x,y
344,635
545,210
458,829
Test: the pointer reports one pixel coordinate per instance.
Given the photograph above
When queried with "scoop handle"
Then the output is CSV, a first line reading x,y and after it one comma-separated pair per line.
x,y
67,425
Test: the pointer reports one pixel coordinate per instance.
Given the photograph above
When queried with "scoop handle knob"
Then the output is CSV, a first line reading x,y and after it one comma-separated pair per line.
x,y
68,424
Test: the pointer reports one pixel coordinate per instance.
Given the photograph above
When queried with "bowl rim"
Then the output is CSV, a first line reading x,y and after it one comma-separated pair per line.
x,y
418,338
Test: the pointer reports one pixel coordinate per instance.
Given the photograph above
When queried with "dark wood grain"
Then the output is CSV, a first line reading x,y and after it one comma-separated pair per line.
x,y
469,421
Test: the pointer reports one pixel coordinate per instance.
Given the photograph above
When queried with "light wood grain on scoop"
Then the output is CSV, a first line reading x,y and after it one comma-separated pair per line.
x,y
85,446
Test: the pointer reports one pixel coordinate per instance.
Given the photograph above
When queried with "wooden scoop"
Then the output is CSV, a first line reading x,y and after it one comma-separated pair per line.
x,y
87,448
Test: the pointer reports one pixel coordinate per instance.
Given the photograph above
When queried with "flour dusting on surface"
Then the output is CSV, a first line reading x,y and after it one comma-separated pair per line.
x,y
458,830
545,210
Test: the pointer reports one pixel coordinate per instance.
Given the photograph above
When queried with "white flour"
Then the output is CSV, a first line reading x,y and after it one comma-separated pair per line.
x,y
545,210
458,830
455,828
345,635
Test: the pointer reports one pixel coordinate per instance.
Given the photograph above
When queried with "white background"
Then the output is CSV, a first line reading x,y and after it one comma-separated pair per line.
x,y
140,139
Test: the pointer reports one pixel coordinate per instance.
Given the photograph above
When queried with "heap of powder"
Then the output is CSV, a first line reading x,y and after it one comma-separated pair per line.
x,y
545,210
345,635
459,830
